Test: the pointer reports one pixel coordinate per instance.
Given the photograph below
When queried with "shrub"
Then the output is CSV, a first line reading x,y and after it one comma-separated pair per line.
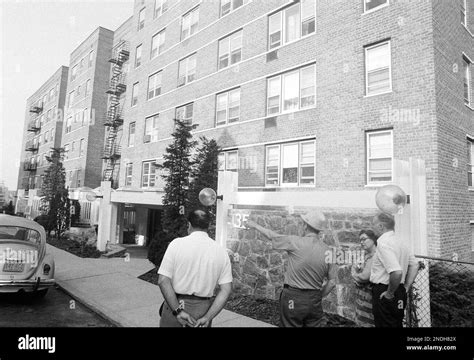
x,y
158,246
451,291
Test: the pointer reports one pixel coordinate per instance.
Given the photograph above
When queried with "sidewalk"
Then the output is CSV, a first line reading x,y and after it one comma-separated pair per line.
x,y
111,288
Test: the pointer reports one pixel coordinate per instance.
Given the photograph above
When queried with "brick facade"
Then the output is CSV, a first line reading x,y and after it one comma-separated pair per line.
x,y
86,170
51,126
421,36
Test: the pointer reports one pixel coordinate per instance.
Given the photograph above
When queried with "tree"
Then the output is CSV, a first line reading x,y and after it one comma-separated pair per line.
x,y
204,175
176,170
55,202
9,209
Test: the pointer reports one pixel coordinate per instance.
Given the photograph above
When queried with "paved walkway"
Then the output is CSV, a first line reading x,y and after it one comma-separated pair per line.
x,y
111,288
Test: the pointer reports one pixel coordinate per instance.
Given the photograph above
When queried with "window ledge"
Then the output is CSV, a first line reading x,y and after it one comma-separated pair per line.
x,y
376,186
384,93
469,107
467,29
471,189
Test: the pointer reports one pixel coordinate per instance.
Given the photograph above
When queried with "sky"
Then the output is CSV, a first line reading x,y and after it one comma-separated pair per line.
x,y
37,37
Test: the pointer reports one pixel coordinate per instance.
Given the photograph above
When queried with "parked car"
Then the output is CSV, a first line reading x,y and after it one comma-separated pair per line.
x,y
24,264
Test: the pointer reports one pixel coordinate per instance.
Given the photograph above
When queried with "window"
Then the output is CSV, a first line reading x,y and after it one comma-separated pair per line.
x,y
51,94
467,81
91,58
374,4
71,98
230,50
78,178
141,19
228,107
308,17
161,6
187,70
81,147
52,134
378,69
48,115
228,161
291,164
230,5
131,135
128,174
84,117
73,146
157,44
148,174
68,124
185,113
66,152
135,94
79,90
74,73
292,23
154,85
88,84
379,156
470,161
138,56
464,12
189,23
151,129
292,91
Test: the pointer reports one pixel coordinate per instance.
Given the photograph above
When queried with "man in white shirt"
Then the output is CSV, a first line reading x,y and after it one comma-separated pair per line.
x,y
394,269
191,269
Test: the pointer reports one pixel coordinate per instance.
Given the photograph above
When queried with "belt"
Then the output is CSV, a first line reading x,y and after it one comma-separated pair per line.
x,y
192,297
286,286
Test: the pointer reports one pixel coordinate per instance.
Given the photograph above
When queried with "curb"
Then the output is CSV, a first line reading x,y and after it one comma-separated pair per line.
x,y
89,306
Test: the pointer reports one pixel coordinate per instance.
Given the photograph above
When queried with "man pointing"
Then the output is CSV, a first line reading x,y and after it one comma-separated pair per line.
x,y
300,300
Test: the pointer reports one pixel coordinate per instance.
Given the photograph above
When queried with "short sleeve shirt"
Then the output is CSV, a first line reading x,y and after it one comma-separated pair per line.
x,y
391,255
196,264
307,265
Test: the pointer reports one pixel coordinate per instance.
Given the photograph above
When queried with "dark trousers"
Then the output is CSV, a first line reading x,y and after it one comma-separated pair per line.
x,y
300,308
388,313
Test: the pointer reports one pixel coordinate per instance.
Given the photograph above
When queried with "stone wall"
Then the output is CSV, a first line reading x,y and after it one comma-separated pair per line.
x,y
258,270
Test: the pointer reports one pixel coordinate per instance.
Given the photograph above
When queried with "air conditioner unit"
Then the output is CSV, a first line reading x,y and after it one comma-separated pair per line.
x,y
147,138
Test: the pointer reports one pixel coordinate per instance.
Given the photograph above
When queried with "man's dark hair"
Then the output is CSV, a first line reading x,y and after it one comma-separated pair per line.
x,y
199,219
370,234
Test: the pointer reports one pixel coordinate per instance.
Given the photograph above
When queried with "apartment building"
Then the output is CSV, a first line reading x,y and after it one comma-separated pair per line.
x,y
42,129
306,96
86,106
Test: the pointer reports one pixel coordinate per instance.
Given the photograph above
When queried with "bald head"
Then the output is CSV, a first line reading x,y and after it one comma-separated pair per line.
x,y
199,219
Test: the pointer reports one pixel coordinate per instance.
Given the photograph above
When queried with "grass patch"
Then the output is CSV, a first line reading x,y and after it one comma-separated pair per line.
x,y
265,310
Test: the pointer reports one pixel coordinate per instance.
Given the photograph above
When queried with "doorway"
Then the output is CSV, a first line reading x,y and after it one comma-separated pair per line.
x,y
154,224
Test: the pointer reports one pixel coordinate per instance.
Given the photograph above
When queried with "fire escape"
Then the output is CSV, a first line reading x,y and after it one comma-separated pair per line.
x,y
114,119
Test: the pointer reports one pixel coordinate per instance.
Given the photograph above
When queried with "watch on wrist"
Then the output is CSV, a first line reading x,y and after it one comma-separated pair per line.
x,y
177,311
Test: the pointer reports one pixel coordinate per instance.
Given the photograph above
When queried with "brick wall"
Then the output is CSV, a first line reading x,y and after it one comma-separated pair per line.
x,y
454,122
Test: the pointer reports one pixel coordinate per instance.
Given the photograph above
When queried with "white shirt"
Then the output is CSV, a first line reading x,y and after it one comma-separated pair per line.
x,y
391,255
196,264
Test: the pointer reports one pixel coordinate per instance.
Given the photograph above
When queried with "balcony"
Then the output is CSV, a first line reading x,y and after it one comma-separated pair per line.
x,y
112,153
36,109
29,166
31,146
34,126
